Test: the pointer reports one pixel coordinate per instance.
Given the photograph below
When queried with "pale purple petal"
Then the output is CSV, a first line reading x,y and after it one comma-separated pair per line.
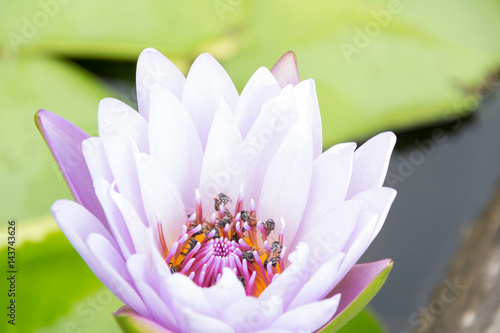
x,y
113,273
251,314
370,164
285,70
199,323
155,70
330,180
137,321
225,292
309,317
206,83
115,218
96,159
223,169
121,154
174,142
117,118
287,180
65,142
139,268
307,101
261,87
161,198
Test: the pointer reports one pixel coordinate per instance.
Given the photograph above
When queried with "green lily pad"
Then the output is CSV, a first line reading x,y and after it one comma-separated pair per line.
x,y
27,169
51,279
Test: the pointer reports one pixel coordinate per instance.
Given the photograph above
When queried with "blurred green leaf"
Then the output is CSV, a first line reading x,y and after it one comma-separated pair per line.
x,y
365,321
52,278
409,69
112,29
27,168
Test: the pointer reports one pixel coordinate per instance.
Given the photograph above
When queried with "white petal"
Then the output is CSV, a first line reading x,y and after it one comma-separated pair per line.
x,y
250,314
307,102
286,286
96,159
117,118
320,284
225,292
115,219
161,198
155,70
198,323
277,117
113,273
261,87
222,169
206,83
121,157
139,268
370,164
377,200
140,234
330,233
330,179
287,180
308,318
175,142
186,294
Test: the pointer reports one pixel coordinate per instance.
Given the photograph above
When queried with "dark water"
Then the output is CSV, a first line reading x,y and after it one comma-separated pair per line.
x,y
444,183
439,197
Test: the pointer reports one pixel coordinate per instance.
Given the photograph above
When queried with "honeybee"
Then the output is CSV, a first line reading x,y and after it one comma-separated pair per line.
x,y
248,255
221,199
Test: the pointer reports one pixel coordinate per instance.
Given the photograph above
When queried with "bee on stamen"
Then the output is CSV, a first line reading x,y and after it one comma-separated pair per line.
x,y
221,198
276,247
222,223
248,255
269,226
173,268
274,261
242,280
245,216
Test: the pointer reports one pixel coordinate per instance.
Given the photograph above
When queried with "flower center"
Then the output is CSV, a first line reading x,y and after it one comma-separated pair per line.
x,y
238,241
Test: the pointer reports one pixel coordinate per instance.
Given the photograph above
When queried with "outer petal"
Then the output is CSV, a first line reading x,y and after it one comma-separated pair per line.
x,y
139,268
96,159
113,273
65,142
131,322
308,318
175,143
285,70
357,288
206,83
370,164
225,292
153,70
287,180
249,314
199,323
261,87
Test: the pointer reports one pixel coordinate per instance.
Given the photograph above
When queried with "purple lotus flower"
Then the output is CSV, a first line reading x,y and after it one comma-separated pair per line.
x,y
210,211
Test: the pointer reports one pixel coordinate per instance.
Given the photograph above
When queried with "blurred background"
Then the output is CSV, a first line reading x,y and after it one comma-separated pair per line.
x,y
425,69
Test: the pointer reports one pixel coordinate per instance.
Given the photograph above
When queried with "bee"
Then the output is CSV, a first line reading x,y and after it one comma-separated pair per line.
x,y
173,268
242,280
217,232
221,199
276,247
248,255
269,226
274,261
245,216
222,223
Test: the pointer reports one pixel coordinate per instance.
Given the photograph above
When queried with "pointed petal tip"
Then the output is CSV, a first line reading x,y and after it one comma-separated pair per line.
x,y
285,70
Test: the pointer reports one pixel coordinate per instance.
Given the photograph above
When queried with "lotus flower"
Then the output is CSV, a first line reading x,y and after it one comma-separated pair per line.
x,y
210,211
